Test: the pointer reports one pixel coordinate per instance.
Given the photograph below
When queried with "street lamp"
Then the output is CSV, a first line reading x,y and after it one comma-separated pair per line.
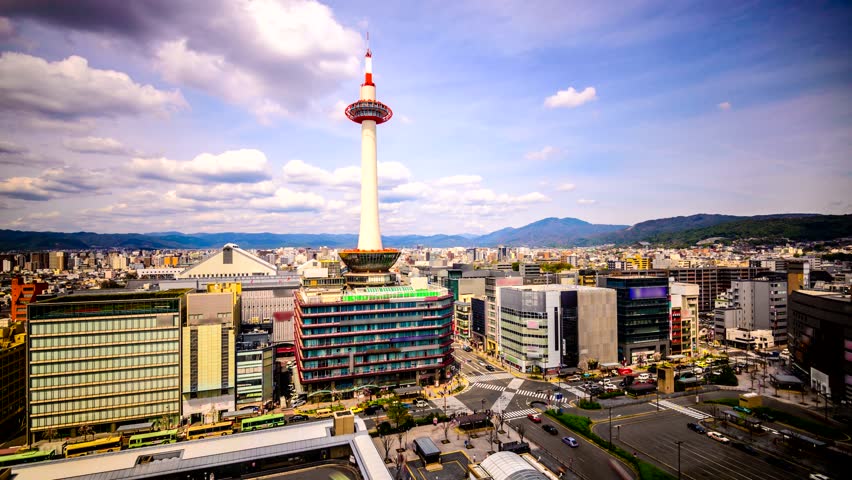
x,y
678,458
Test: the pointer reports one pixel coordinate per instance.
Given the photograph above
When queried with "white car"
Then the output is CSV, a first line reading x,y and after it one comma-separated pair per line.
x,y
610,387
643,377
718,437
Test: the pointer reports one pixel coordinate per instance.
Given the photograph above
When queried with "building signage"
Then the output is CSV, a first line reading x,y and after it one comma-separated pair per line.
x,y
639,293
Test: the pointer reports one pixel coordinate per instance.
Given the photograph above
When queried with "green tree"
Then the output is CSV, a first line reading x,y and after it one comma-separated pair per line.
x,y
398,414
516,266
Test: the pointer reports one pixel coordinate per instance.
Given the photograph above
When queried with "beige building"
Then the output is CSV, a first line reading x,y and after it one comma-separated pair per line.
x,y
208,376
231,262
684,318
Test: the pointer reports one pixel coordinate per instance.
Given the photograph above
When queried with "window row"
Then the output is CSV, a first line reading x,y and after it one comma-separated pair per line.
x,y
105,338
106,389
106,402
100,377
105,364
105,351
83,325
103,416
381,326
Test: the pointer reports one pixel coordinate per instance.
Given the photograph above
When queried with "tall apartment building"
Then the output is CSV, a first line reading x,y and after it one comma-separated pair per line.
x,y
546,327
461,318
13,377
821,342
764,305
104,361
22,295
493,286
57,261
208,372
684,318
384,336
643,317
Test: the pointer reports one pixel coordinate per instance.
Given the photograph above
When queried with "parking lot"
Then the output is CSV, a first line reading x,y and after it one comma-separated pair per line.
x,y
658,436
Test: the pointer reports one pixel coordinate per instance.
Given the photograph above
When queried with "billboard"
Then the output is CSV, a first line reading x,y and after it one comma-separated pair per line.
x,y
639,293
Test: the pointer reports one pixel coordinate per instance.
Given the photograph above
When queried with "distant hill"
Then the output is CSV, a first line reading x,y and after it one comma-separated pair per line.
x,y
548,232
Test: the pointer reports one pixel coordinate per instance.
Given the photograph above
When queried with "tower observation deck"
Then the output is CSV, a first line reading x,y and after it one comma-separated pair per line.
x,y
369,264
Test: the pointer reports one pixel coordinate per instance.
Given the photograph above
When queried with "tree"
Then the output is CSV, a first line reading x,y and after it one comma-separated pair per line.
x,y
400,439
387,444
446,428
85,430
398,414
592,363
49,434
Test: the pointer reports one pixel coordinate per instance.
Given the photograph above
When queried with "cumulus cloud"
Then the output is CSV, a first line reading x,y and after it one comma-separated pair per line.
x,y
53,183
585,201
724,106
7,147
570,98
98,145
232,166
337,112
70,89
543,154
566,187
405,192
302,173
267,56
226,191
285,200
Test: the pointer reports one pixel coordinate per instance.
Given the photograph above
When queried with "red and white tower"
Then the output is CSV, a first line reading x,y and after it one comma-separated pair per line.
x,y
369,265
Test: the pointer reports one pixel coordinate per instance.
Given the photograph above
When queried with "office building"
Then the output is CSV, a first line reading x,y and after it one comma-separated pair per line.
x,y
104,361
643,317
724,319
546,327
13,377
493,286
385,336
821,342
764,305
461,318
684,318
477,322
208,375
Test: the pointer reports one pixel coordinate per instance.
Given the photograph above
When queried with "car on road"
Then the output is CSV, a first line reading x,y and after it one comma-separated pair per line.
x,y
574,378
570,441
643,377
489,368
535,417
765,416
745,448
481,364
421,404
818,476
718,437
610,387
297,418
550,429
467,348
372,409
696,428
745,410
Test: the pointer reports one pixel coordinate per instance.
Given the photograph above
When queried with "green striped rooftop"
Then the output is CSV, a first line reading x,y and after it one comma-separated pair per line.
x,y
385,293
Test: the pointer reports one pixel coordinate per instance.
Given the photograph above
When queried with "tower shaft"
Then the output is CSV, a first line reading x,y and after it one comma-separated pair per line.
x,y
369,237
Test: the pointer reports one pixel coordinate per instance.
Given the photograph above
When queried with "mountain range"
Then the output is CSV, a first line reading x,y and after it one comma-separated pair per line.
x,y
548,232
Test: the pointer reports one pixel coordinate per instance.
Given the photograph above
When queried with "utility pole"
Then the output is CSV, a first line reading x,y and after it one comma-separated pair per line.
x,y
678,458
610,427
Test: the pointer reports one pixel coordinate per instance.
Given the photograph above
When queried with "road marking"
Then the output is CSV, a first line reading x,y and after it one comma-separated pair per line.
x,y
489,377
490,386
515,384
519,413
684,410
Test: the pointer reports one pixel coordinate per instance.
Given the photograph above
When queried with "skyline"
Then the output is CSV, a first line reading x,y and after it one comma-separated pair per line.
x,y
151,119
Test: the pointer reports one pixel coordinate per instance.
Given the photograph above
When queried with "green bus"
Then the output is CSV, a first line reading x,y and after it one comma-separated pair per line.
x,y
25,457
101,445
264,421
153,438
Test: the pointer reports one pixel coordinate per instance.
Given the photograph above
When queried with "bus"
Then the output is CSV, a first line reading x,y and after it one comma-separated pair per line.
x,y
209,430
25,457
264,421
100,445
153,438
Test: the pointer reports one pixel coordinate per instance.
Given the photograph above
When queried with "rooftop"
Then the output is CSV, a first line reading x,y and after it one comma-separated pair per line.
x,y
94,296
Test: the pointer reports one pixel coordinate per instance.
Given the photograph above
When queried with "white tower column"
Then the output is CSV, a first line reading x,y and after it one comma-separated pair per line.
x,y
369,237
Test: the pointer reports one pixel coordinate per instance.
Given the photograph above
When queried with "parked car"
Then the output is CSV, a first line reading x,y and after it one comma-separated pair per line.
x,y
535,417
372,409
745,410
696,428
718,437
297,418
421,404
570,441
574,378
765,416
745,448
610,387
550,429
643,377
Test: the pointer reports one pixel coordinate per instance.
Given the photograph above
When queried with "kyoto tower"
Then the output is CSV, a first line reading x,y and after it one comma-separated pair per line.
x,y
369,264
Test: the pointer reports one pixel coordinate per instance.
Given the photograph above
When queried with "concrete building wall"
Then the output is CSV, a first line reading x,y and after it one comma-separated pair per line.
x,y
598,325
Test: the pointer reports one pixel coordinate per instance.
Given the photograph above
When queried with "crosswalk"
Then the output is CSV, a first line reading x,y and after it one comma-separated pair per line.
x,y
519,413
489,377
684,410
541,395
490,386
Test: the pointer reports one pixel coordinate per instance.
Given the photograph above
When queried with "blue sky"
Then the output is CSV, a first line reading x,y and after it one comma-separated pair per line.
x,y
151,115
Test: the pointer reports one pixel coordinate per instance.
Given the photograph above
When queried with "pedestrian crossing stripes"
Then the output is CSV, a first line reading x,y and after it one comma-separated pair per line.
x,y
684,410
519,413
541,395
489,377
490,386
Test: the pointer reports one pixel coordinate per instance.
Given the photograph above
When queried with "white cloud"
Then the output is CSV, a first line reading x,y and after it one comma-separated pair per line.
x,y
337,112
404,119
7,30
285,200
7,147
232,166
585,201
405,192
99,145
570,98
70,88
54,183
226,191
302,173
542,154
724,106
566,187
459,180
